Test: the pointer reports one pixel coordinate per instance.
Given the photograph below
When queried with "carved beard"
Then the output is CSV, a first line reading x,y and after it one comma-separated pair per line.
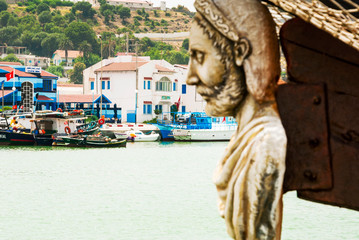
x,y
224,99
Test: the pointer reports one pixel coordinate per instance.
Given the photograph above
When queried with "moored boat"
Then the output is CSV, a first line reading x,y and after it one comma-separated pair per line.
x,y
139,136
92,141
12,137
197,126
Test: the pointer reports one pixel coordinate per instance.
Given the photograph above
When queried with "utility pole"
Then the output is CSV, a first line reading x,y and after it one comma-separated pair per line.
x,y
136,46
101,81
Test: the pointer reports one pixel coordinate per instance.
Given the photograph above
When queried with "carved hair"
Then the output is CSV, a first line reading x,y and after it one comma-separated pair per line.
x,y
236,19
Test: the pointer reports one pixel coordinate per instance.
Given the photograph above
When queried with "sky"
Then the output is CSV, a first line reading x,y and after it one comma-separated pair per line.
x,y
175,3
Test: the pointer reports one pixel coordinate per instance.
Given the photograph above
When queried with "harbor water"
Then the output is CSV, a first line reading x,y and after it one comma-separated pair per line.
x,y
147,191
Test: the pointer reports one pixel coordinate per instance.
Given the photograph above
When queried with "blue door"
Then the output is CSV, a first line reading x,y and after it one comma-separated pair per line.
x,y
131,116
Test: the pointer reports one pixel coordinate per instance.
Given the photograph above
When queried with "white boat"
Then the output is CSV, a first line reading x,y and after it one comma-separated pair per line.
x,y
220,133
125,127
197,126
139,136
120,135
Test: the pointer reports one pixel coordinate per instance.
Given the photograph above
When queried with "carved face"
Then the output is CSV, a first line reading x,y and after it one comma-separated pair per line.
x,y
222,88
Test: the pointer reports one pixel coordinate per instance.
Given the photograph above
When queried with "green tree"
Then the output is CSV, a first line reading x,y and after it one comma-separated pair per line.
x,y
107,14
85,48
11,58
29,23
42,7
12,20
53,28
185,44
85,8
59,20
76,75
4,18
51,43
66,44
45,17
124,13
90,60
3,5
105,7
79,32
8,35
35,43
57,70
10,50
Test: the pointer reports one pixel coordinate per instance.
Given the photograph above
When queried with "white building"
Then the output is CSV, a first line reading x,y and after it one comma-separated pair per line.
x,y
59,56
92,2
132,4
159,85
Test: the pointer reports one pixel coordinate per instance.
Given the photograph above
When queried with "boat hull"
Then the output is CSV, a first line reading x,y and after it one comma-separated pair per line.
x,y
8,137
202,135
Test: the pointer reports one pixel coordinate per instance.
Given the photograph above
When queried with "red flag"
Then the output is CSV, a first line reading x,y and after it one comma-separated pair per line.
x,y
9,75
178,102
224,119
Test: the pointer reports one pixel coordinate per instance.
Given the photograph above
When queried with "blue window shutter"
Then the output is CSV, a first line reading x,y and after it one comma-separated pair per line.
x,y
103,85
144,108
156,107
144,84
92,85
184,108
184,88
148,84
160,107
108,85
149,108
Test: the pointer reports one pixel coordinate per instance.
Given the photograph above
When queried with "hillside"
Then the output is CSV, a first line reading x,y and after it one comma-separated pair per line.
x,y
164,21
40,27
173,22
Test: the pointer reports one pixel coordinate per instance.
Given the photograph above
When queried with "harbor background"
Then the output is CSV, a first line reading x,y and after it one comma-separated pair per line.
x,y
154,191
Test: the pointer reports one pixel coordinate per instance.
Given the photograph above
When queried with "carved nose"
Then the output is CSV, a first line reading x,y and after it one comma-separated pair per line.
x,y
192,80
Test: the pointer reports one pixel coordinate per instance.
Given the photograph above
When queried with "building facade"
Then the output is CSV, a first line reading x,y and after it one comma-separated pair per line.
x,y
157,86
30,87
59,56
132,4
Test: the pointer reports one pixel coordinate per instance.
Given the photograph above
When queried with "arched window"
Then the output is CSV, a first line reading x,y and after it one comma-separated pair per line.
x,y
164,85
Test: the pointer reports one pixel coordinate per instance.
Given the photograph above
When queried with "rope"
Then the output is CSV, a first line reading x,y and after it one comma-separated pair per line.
x,y
341,23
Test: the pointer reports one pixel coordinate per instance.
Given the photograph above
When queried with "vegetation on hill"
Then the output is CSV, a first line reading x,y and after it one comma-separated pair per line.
x,y
44,26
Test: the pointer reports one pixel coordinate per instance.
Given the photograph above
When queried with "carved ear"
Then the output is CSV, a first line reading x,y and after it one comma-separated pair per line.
x,y
241,51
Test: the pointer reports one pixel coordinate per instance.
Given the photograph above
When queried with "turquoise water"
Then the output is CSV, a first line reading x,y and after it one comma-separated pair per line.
x,y
145,191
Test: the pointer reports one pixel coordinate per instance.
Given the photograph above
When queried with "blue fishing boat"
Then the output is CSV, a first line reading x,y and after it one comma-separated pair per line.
x,y
196,126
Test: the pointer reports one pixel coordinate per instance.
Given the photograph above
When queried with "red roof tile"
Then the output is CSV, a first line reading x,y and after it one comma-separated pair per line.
x,y
17,72
44,98
163,69
78,98
47,74
121,66
6,92
70,53
62,84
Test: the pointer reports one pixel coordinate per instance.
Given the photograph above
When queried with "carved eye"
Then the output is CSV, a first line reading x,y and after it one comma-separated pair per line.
x,y
198,56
